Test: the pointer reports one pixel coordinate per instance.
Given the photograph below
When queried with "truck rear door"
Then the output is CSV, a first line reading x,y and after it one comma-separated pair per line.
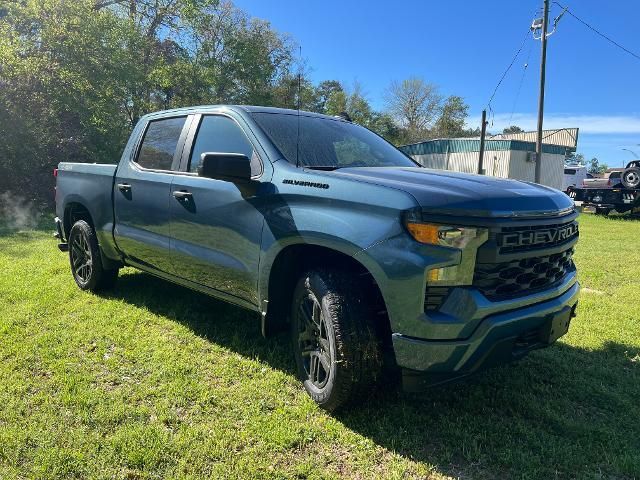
x,y
142,194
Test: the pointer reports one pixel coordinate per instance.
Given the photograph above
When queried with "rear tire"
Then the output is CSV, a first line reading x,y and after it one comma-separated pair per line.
x,y
337,350
86,260
631,177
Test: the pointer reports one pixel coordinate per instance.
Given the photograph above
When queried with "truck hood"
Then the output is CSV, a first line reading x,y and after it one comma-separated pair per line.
x,y
455,193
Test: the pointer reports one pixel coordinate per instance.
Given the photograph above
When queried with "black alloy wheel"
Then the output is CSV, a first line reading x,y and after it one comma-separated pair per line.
x,y
86,261
337,348
81,258
314,342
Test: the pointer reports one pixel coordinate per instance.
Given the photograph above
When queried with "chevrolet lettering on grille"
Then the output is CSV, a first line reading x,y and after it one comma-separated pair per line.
x,y
538,237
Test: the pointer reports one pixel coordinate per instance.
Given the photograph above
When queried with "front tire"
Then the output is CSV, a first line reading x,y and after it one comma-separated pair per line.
x,y
337,350
86,261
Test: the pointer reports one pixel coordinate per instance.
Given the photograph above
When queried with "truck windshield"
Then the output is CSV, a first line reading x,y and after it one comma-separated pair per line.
x,y
328,144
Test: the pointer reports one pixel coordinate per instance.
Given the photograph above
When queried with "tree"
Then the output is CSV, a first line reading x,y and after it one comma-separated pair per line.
x,y
415,105
513,129
323,93
596,168
452,118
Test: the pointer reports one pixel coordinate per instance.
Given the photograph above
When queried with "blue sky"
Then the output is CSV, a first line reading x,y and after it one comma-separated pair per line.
x,y
464,47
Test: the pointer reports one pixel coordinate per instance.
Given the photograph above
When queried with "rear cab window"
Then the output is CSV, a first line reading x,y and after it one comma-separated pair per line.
x,y
159,144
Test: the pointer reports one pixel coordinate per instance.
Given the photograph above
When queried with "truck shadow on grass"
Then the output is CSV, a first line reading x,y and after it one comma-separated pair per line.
x,y
563,411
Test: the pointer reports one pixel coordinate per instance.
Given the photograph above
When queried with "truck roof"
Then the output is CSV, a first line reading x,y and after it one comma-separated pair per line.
x,y
245,108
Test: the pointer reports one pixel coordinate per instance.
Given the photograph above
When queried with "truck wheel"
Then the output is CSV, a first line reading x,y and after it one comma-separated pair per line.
x,y
631,177
85,260
602,211
338,353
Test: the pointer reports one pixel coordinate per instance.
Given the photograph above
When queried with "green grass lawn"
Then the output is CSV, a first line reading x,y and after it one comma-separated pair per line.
x,y
155,381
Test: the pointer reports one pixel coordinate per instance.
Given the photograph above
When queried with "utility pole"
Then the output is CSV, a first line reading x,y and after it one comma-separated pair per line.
x,y
543,65
483,134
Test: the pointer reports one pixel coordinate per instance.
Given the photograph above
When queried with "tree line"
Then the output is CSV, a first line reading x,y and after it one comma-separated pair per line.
x,y
75,77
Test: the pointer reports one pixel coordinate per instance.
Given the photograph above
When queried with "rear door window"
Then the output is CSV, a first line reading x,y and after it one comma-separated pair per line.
x,y
569,171
160,142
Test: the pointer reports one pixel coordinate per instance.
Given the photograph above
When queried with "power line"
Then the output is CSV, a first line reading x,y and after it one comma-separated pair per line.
x,y
524,71
609,39
507,70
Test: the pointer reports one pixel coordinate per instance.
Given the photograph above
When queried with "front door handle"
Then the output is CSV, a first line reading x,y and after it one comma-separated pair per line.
x,y
124,187
182,195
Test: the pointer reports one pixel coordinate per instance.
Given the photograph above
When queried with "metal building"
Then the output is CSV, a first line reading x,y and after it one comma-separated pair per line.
x,y
505,158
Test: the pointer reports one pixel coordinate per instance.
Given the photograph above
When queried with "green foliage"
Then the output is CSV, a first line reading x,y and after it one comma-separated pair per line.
x,y
513,129
76,76
595,167
452,118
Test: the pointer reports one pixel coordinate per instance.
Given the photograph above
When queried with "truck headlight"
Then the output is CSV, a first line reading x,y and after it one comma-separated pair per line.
x,y
465,239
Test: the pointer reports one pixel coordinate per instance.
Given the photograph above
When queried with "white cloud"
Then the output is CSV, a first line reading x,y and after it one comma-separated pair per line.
x,y
591,124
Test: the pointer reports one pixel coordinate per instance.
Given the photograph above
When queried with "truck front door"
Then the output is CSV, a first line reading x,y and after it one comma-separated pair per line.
x,y
216,226
142,194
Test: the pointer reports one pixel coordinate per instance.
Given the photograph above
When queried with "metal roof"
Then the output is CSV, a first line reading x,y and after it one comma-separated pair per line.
x,y
460,145
567,137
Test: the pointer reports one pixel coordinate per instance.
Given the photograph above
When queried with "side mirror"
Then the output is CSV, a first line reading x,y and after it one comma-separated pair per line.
x,y
231,167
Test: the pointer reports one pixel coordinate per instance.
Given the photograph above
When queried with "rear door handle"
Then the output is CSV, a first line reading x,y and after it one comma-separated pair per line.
x,y
124,187
182,195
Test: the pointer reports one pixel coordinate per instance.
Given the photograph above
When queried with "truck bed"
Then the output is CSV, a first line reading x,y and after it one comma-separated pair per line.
x,y
90,185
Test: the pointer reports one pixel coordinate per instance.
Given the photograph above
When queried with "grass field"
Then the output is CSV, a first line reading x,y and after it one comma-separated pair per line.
x,y
154,381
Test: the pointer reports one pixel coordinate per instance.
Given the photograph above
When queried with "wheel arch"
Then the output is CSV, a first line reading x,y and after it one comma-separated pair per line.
x,y
74,211
292,261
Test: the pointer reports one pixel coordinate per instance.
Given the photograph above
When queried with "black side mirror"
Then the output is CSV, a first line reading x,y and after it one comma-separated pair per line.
x,y
231,167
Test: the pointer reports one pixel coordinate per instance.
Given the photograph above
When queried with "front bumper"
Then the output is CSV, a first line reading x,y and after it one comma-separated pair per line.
x,y
499,338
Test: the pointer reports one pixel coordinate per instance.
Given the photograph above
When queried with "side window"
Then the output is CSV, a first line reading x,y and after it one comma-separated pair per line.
x,y
221,134
160,142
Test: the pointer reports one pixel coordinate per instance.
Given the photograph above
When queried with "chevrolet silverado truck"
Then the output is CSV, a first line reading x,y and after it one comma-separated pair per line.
x,y
373,263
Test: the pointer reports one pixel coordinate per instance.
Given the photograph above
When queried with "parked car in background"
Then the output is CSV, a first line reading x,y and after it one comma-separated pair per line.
x,y
608,180
574,175
320,226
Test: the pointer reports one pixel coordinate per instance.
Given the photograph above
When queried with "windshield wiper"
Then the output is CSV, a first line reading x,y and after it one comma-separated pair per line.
x,y
327,168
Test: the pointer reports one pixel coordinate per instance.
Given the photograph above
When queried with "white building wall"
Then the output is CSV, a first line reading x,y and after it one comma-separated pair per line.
x,y
496,163
432,160
551,173
502,164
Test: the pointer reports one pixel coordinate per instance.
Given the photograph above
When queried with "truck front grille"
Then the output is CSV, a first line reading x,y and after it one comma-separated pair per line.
x,y
499,281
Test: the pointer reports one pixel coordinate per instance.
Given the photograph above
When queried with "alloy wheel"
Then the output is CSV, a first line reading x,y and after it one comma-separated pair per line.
x,y
313,341
81,257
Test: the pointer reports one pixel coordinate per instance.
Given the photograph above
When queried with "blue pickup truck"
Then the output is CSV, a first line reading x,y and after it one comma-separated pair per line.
x,y
320,226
